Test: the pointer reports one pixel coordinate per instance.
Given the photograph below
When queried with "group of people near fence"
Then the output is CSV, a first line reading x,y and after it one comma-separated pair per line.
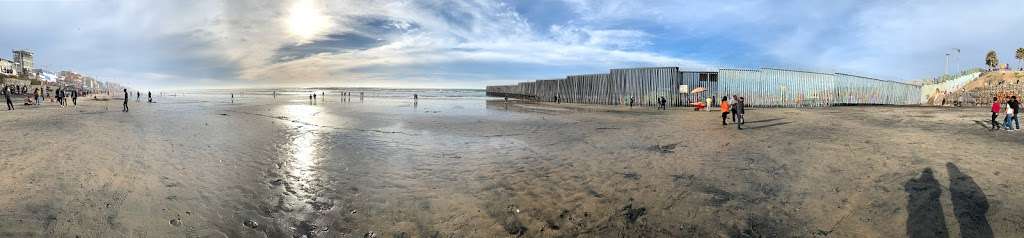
x,y
1009,109
734,106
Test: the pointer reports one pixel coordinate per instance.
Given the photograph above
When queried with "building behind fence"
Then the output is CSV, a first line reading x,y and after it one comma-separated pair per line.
x,y
759,87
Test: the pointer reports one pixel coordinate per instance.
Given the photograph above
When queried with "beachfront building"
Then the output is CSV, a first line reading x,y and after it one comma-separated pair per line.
x,y
760,88
71,79
8,69
24,59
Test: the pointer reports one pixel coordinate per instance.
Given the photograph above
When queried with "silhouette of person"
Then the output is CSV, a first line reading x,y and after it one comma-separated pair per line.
x,y
924,211
125,101
969,204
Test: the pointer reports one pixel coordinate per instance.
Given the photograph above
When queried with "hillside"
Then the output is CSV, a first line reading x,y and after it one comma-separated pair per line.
x,y
1002,84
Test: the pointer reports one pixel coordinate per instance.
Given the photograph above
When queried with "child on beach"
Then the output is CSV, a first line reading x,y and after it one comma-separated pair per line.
x,y
732,107
995,112
724,105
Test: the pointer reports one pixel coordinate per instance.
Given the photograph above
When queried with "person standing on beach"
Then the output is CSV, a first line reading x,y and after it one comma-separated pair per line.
x,y
37,95
708,103
995,112
74,97
138,96
630,101
150,96
275,93
232,97
732,107
724,105
740,109
1006,118
314,96
7,96
125,100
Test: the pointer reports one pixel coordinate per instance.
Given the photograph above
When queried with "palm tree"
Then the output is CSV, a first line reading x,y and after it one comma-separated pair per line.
x,y
991,59
1020,56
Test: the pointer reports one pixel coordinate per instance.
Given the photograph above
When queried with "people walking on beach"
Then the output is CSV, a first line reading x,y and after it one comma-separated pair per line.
x,y
74,97
125,100
995,112
60,97
1006,117
740,109
1011,114
724,105
7,96
149,94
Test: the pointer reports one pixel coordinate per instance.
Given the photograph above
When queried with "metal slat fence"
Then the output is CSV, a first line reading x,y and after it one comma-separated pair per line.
x,y
760,88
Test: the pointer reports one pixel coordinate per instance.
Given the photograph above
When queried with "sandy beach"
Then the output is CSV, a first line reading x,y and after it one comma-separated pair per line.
x,y
202,166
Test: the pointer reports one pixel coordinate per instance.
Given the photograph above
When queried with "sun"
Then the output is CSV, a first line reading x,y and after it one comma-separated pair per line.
x,y
306,21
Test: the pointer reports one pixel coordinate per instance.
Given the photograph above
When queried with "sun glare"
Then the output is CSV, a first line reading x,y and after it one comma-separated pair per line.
x,y
306,21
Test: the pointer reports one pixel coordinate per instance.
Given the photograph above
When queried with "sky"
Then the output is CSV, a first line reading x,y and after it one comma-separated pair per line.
x,y
163,44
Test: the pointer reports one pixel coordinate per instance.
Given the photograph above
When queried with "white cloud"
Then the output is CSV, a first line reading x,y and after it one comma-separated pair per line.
x,y
241,39
900,40
440,32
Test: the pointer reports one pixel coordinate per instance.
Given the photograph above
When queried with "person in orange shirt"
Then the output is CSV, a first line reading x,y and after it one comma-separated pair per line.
x,y
724,105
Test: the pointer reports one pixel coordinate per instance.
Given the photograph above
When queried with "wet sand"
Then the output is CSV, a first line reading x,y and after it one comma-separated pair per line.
x,y
260,167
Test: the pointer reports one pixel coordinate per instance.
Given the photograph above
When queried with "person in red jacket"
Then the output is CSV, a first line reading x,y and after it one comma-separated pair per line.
x,y
995,112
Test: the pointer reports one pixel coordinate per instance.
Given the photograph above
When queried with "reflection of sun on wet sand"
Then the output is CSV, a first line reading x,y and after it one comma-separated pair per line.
x,y
473,168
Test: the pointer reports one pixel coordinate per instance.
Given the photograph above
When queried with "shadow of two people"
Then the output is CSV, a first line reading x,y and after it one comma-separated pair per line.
x,y
924,210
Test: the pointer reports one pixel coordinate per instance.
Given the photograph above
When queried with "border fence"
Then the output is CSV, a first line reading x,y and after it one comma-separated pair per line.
x,y
764,87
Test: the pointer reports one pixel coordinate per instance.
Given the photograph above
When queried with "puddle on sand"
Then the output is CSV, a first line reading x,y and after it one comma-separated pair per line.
x,y
304,153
